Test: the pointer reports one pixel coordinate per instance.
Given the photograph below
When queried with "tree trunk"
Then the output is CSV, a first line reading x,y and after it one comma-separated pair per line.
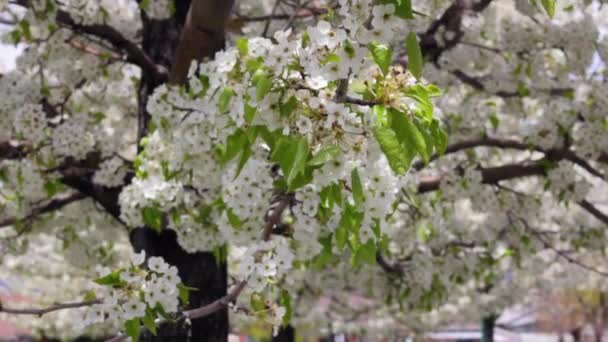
x,y
576,334
487,328
285,334
161,40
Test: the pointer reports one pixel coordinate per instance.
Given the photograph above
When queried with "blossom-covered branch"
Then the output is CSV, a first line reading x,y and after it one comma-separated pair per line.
x,y
134,53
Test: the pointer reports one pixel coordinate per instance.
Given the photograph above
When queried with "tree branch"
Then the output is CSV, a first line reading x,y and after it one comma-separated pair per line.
x,y
107,33
202,35
43,311
559,252
490,175
55,204
551,154
217,305
593,210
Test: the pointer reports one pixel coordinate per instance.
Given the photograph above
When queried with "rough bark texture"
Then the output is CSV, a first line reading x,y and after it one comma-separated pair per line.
x,y
162,42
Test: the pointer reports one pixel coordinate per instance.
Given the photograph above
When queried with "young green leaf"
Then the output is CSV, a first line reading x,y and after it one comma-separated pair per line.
x,y
148,321
243,46
383,56
224,99
285,302
153,217
262,87
408,133
325,155
549,6
112,279
133,329
403,8
356,187
414,55
291,153
393,150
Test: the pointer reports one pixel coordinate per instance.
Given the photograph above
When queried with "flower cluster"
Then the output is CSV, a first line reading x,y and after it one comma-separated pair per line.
x,y
135,293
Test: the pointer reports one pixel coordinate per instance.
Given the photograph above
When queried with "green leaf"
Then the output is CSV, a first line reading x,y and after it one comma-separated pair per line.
x,y
365,253
224,99
287,108
381,115
25,28
249,113
285,302
257,302
235,144
549,6
403,8
415,62
341,236
325,155
184,292
53,187
291,153
133,329
393,150
263,86
357,188
422,95
148,321
90,295
153,217
234,220
242,45
112,279
383,56
408,133
441,139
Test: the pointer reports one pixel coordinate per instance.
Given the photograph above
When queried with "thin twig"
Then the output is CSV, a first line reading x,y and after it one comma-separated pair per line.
x,y
43,311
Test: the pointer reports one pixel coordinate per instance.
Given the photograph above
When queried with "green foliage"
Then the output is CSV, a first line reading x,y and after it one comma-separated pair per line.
x,y
153,217
415,62
325,155
133,329
112,279
291,153
242,44
383,56
403,8
53,187
285,301
357,188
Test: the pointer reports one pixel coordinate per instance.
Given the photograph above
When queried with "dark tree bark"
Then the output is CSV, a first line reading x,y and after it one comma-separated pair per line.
x,y
285,334
162,41
487,328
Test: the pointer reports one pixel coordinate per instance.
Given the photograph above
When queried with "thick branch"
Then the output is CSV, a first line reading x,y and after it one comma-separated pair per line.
x,y
490,175
43,311
451,21
202,35
551,154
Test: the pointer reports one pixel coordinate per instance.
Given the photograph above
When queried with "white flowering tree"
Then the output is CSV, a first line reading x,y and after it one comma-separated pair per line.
x,y
270,155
